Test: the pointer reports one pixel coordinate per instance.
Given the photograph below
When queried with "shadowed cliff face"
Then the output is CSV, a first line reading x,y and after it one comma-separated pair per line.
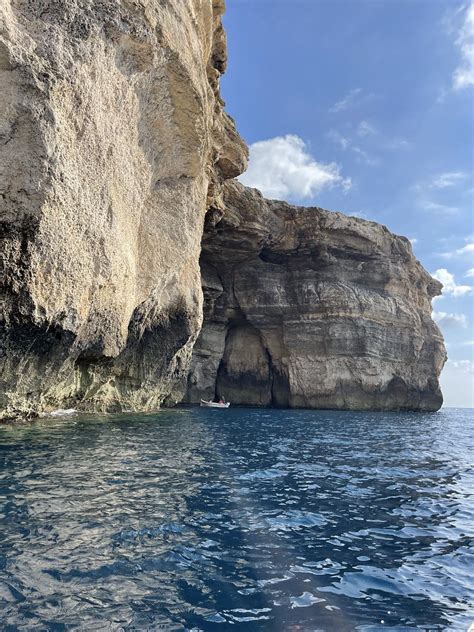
x,y
309,308
113,144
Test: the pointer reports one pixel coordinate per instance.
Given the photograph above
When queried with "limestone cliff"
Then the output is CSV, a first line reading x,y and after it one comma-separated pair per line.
x,y
310,308
114,151
113,144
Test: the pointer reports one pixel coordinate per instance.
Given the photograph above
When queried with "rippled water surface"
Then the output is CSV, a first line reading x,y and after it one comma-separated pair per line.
x,y
240,519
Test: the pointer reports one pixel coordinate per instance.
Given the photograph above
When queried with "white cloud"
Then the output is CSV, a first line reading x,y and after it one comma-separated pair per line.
x,y
346,184
413,241
359,214
464,75
450,321
346,101
365,129
449,284
346,143
399,143
282,167
339,139
436,207
441,181
467,249
449,179
469,273
435,195
465,365
457,383
365,156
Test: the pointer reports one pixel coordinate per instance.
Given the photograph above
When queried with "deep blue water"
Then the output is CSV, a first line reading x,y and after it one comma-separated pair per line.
x,y
242,520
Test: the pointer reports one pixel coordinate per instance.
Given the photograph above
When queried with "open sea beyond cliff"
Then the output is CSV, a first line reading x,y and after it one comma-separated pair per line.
x,y
245,519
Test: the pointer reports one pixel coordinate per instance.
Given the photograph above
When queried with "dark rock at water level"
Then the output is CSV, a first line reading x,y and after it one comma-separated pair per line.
x,y
311,308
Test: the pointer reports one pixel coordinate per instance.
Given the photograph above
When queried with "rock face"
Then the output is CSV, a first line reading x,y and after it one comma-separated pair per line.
x,y
113,147
113,144
310,308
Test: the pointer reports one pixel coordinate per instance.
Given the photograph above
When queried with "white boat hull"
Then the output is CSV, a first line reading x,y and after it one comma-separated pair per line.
x,y
205,404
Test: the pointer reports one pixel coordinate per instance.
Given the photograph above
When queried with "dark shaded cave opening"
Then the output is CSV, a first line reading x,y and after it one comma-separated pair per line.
x,y
280,387
246,374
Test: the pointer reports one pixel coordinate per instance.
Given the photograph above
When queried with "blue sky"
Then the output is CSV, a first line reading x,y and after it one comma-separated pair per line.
x,y
366,106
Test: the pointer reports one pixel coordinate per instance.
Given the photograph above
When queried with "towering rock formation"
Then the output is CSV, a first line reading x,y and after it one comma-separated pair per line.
x,y
309,308
113,147
113,144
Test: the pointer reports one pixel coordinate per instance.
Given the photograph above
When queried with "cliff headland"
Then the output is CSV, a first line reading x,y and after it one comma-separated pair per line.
x,y
117,203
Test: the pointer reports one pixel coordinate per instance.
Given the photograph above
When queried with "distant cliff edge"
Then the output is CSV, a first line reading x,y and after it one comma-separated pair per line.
x,y
114,152
309,308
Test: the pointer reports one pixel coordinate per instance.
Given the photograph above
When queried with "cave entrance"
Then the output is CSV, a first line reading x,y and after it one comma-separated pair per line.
x,y
247,374
244,376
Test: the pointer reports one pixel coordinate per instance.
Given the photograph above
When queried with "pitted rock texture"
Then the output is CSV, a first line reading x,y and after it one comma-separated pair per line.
x,y
310,308
113,145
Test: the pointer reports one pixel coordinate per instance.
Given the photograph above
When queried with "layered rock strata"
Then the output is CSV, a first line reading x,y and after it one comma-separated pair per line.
x,y
113,145
310,308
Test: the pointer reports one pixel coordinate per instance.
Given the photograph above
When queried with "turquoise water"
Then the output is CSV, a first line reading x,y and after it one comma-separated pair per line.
x,y
244,519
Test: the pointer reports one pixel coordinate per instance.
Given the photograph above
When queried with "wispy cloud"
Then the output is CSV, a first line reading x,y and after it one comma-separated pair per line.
x,y
448,179
468,249
399,143
343,142
436,207
365,129
413,241
282,167
347,143
457,383
465,365
450,287
364,156
469,273
437,187
359,214
347,101
450,321
357,137
464,74
441,181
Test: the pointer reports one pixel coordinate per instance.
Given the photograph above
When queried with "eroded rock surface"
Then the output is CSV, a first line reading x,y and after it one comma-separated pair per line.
x,y
113,147
113,144
310,308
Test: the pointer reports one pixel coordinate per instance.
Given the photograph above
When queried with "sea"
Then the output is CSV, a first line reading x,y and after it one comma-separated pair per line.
x,y
239,519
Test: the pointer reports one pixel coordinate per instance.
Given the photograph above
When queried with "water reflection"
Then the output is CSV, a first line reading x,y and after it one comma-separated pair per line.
x,y
277,520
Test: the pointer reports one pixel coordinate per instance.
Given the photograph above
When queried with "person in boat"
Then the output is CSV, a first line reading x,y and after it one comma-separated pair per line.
x,y
222,400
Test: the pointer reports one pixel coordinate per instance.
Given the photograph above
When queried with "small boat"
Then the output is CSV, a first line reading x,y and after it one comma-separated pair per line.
x,y
214,404
62,412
